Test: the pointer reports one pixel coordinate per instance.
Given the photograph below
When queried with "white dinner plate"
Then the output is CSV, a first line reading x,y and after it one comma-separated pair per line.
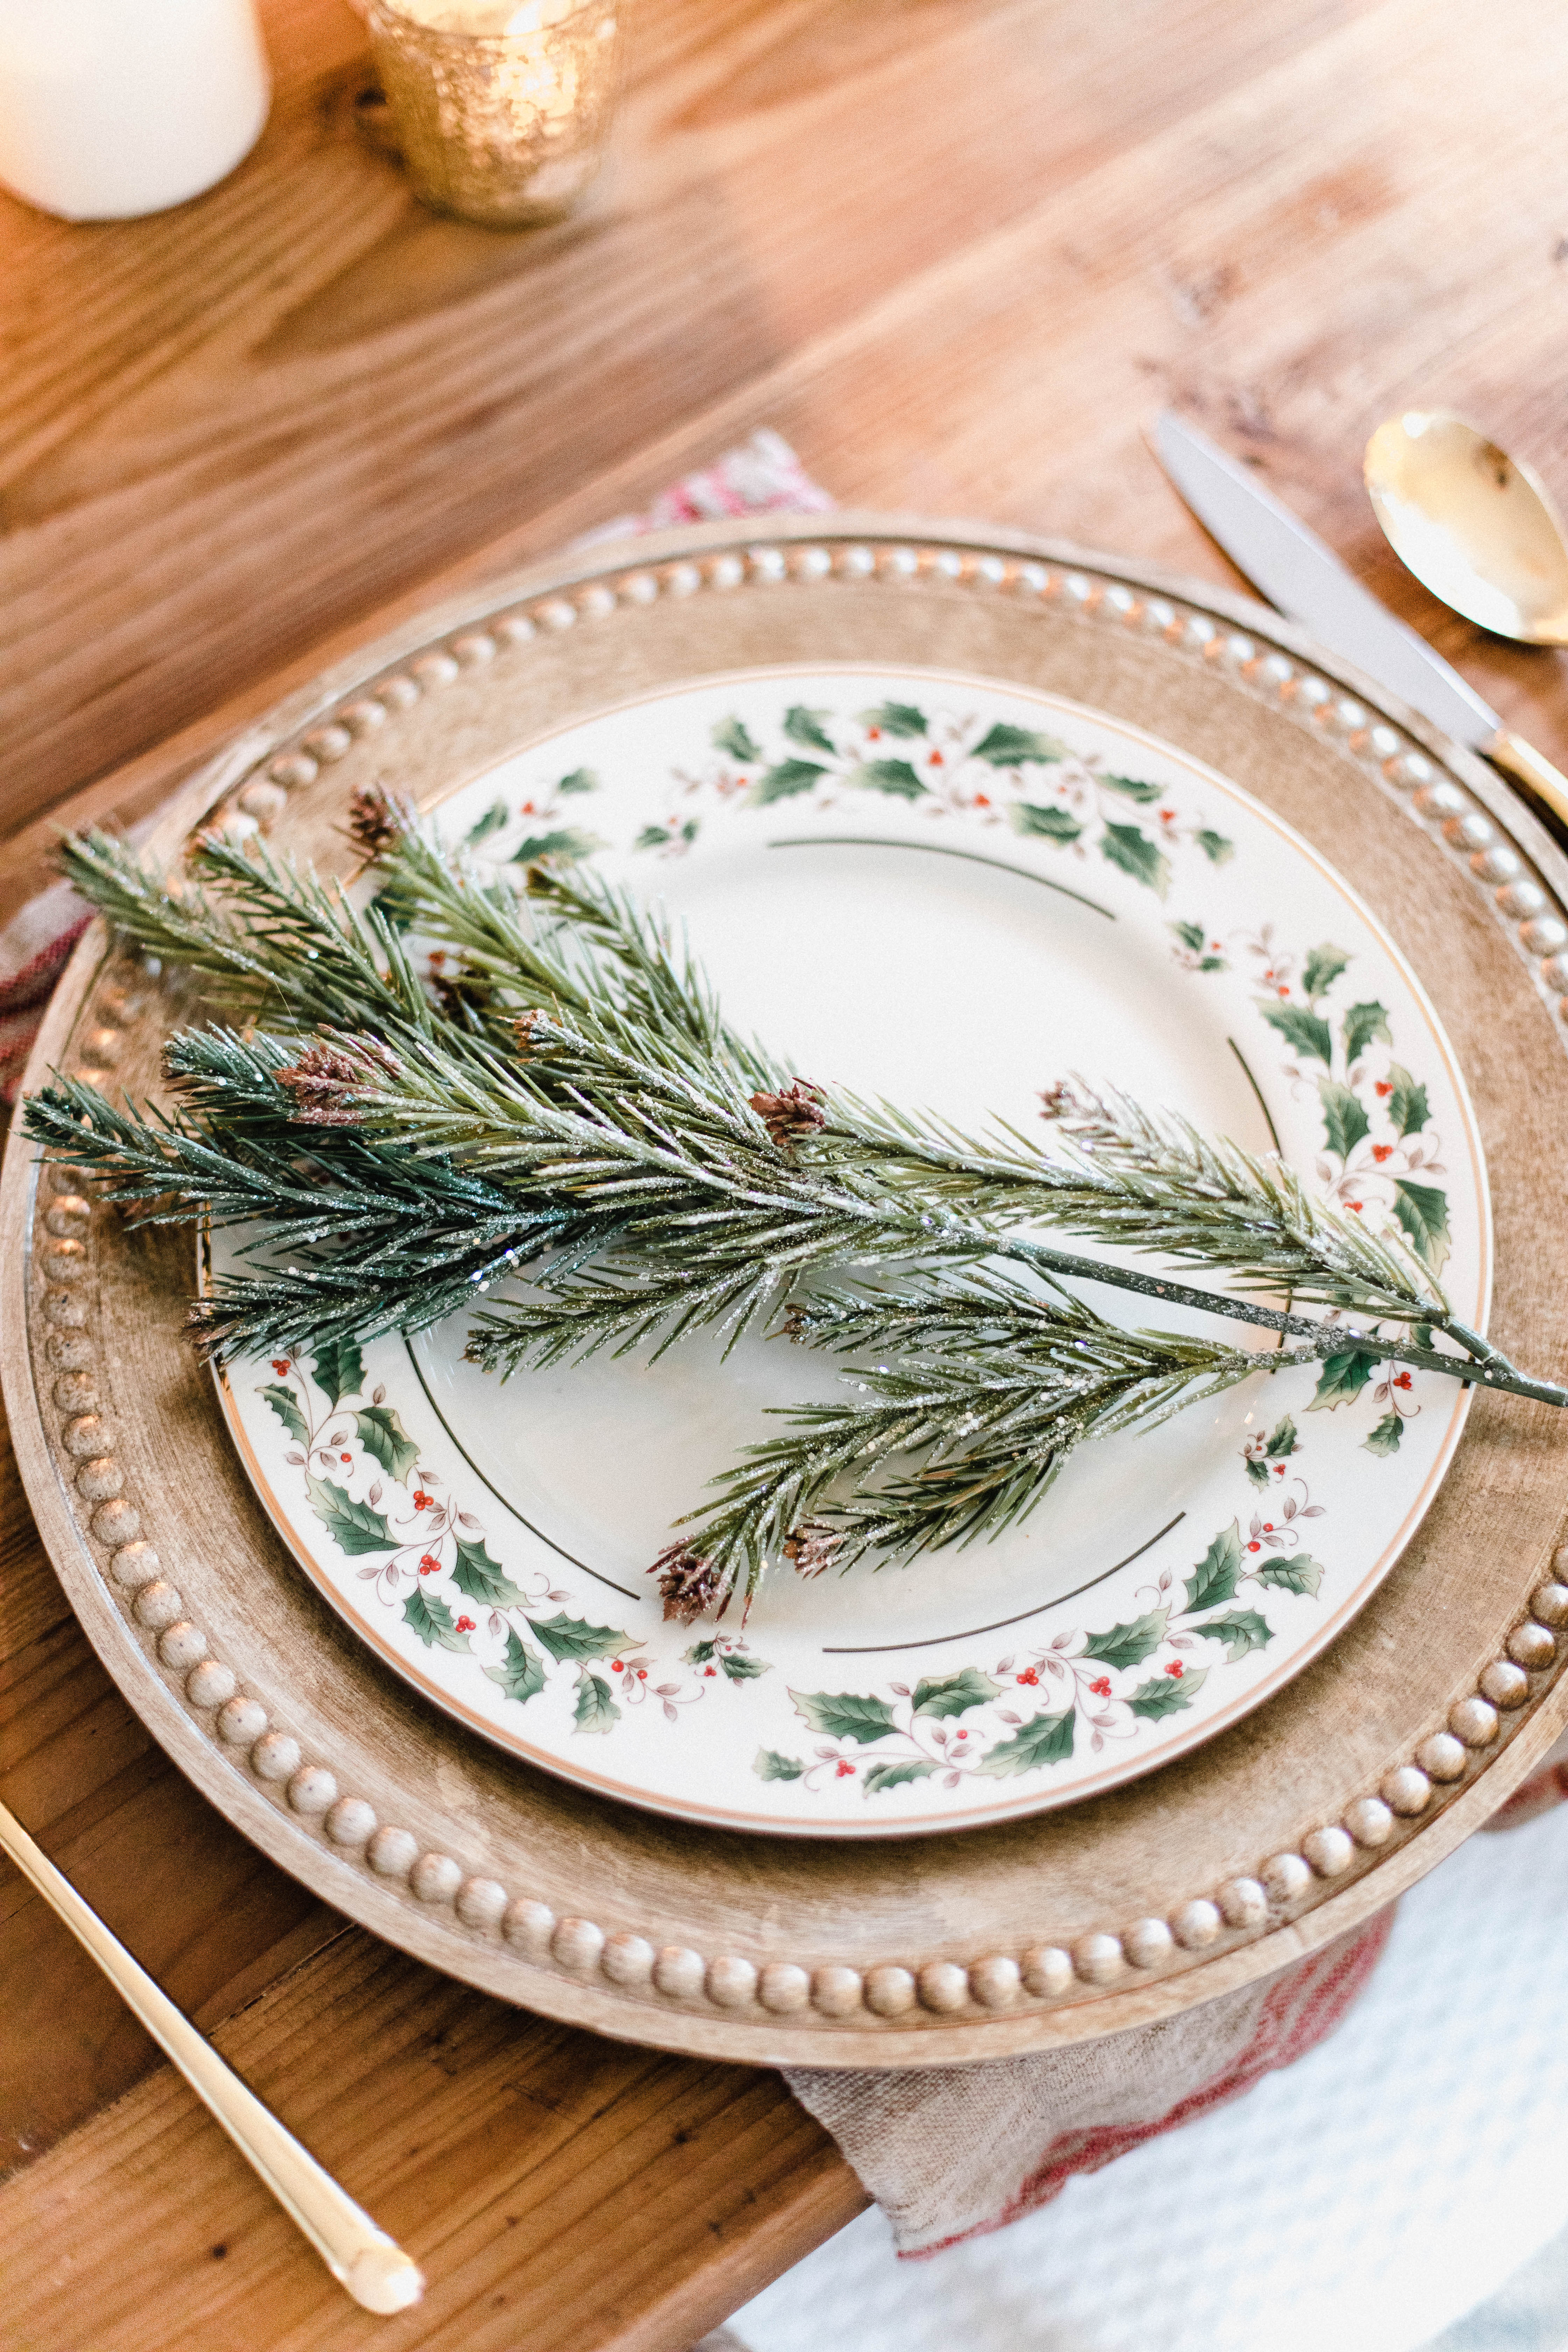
x,y
953,893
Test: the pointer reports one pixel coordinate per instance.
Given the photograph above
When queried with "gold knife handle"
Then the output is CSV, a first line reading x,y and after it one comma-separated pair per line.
x,y
363,2259
1526,765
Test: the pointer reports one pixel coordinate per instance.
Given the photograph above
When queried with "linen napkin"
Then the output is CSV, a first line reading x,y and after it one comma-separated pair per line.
x,y
948,2152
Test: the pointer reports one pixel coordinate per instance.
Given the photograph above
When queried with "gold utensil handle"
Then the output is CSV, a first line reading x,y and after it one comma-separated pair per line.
x,y
363,2259
1526,765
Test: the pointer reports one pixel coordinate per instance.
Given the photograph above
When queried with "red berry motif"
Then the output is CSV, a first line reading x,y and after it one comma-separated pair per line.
x,y
466,1625
1175,1670
1401,1380
1255,1547
1029,1676
1382,1151
1101,1687
843,1768
1385,1088
710,1671
430,1564
422,1501
279,1364
345,1457
616,1667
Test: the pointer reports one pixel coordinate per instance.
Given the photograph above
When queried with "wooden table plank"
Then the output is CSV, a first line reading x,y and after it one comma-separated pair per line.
x,y
564,2191
333,394
958,251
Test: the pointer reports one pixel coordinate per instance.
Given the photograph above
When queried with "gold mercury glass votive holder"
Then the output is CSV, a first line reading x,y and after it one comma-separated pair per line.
x,y
501,107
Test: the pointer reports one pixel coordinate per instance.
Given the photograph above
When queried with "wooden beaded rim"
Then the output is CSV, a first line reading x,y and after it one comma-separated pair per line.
x,y
631,1979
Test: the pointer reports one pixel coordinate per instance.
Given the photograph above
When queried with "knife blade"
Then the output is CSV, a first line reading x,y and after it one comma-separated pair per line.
x,y
1304,579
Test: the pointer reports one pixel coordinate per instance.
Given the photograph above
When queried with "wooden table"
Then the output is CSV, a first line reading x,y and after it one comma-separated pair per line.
x,y
957,251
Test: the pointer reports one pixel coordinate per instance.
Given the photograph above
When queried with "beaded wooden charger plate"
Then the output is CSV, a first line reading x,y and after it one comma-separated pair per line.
x,y
1282,1830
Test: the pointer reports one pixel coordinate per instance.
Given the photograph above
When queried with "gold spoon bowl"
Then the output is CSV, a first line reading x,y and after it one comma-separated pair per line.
x,y
1472,523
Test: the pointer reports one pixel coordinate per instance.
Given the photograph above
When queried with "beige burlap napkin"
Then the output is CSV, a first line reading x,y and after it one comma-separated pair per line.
x,y
952,2152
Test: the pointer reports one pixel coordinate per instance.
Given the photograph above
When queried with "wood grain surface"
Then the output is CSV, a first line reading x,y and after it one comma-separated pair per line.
x,y
958,251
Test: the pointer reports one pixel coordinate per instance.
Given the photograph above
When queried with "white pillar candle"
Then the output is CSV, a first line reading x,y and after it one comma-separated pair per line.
x,y
111,108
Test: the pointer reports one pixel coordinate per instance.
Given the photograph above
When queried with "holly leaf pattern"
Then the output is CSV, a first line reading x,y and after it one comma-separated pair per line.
x,y
1046,1739
1216,847
494,820
1346,1123
740,1666
731,735
595,1709
783,782
1407,1104
878,1776
894,776
894,718
1133,789
339,1369
1129,1645
1194,939
1363,1023
1341,1379
804,727
1385,1439
1045,824
841,1715
1302,1029
949,1694
354,1526
1298,1575
1126,847
1164,1695
573,1637
567,844
1322,968
1241,1630
1218,1572
286,1405
769,1765
581,780
1423,1212
482,1578
520,1673
427,1615
1007,747
699,1653
383,1434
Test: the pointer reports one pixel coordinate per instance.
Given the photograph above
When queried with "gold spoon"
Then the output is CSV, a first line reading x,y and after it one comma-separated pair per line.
x,y
363,2259
1473,524
1480,531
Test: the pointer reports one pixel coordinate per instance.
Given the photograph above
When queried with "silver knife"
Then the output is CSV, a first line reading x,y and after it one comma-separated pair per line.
x,y
1305,580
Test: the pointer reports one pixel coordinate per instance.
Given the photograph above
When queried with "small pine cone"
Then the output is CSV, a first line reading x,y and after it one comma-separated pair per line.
x,y
689,1585
1079,1111
530,1029
812,1547
328,1085
1064,1100
794,1113
379,819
